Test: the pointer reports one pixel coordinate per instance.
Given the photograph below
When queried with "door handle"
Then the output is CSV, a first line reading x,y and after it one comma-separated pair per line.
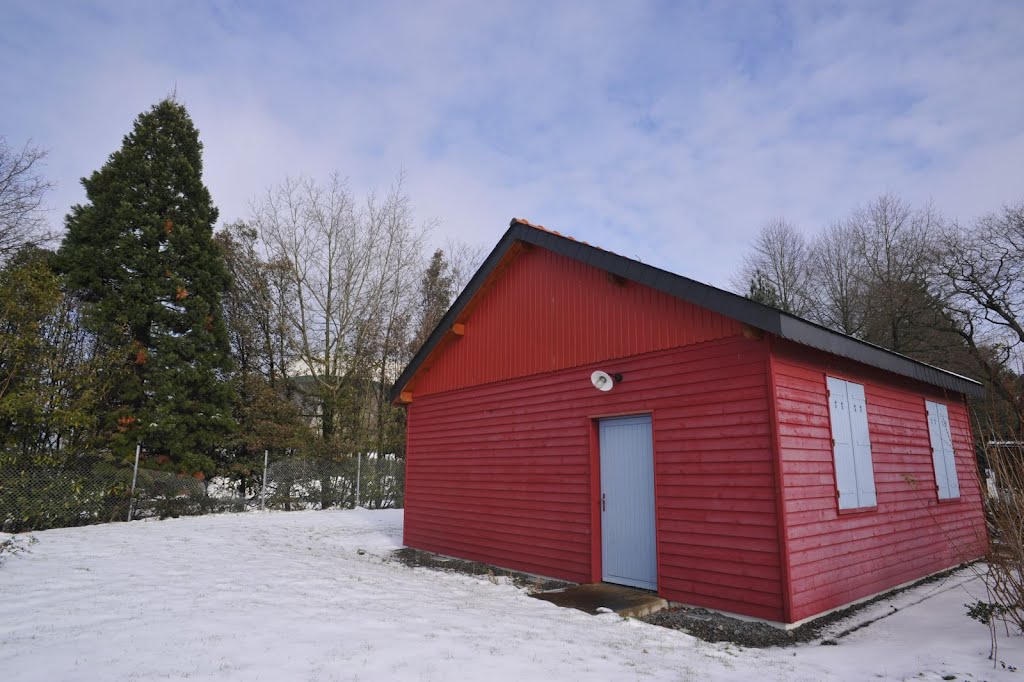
x,y
602,501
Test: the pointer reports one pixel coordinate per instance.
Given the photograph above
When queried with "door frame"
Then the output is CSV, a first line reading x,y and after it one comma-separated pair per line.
x,y
596,563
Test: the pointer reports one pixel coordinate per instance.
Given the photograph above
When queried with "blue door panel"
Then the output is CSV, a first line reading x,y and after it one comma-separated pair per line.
x,y
628,550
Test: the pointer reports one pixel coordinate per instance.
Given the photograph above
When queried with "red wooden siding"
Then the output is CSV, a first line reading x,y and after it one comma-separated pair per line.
x,y
502,473
837,557
545,312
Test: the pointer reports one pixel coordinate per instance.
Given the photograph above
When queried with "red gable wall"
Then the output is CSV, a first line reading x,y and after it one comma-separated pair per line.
x,y
545,312
502,448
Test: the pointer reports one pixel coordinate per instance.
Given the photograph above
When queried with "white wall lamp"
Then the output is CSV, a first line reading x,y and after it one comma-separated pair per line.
x,y
603,381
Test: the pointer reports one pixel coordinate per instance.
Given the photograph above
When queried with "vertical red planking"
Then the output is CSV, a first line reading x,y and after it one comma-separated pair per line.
x,y
547,312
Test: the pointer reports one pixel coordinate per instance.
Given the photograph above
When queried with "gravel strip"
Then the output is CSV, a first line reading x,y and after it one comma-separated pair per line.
x,y
710,626
416,558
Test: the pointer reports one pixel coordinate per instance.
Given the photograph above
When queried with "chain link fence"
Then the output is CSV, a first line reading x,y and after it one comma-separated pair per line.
x,y
42,493
364,481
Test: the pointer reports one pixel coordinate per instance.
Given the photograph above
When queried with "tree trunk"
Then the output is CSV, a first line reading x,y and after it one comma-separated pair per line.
x,y
327,432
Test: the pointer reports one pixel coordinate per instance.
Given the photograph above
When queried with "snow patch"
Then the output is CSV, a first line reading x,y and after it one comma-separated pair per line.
x,y
313,595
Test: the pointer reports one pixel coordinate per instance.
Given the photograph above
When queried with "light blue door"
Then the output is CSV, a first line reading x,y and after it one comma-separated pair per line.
x,y
628,554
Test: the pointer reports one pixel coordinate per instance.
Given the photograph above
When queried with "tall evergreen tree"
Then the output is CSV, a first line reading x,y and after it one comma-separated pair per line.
x,y
435,296
140,253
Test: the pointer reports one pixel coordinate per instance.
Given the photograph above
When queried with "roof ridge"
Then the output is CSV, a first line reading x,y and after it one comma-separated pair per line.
x,y
772,320
526,223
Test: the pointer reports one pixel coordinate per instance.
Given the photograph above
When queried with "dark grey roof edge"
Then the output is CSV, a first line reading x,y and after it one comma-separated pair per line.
x,y
726,303
461,301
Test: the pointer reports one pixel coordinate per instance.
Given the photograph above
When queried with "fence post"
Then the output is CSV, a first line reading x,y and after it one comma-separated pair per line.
x,y
263,490
359,474
135,476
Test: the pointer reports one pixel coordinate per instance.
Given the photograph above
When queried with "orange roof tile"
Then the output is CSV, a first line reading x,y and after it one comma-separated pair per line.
x,y
527,223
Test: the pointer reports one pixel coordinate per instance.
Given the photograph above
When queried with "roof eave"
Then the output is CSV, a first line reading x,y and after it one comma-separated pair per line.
x,y
456,308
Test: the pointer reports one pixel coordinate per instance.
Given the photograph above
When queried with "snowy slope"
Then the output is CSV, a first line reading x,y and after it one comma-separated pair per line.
x,y
288,596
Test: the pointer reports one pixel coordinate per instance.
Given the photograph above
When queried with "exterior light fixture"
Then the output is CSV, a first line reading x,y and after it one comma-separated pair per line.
x,y
603,381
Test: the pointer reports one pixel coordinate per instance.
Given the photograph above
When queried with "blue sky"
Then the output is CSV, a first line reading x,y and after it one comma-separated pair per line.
x,y
667,131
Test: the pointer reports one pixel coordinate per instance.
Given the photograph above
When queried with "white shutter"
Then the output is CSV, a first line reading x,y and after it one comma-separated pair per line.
x,y
861,445
943,454
938,457
842,444
949,452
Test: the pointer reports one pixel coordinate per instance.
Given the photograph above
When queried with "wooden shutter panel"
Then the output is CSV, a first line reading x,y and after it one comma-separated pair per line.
x,y
938,456
943,453
842,449
949,452
861,446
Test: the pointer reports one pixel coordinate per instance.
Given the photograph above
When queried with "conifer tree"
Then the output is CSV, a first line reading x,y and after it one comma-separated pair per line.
x,y
140,254
762,291
435,296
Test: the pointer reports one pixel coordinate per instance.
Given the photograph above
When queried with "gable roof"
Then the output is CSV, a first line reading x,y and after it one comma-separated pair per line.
x,y
740,308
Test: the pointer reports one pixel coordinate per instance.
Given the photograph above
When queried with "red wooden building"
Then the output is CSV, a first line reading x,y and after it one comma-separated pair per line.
x,y
743,459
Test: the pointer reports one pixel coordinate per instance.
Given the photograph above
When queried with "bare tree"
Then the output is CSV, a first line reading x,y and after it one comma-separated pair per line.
x,y
464,259
868,276
351,269
256,305
978,277
896,250
22,189
400,267
314,230
981,272
1002,573
255,308
838,280
779,260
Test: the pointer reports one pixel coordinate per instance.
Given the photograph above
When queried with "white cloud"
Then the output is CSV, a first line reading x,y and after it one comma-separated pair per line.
x,y
661,132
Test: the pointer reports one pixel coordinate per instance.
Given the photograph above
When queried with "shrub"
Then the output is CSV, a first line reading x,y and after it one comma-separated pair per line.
x,y
15,545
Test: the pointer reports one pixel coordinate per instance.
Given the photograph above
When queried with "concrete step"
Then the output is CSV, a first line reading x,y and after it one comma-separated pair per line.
x,y
597,598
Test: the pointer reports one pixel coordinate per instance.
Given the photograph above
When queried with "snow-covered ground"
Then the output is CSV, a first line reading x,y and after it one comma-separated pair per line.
x,y
312,596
